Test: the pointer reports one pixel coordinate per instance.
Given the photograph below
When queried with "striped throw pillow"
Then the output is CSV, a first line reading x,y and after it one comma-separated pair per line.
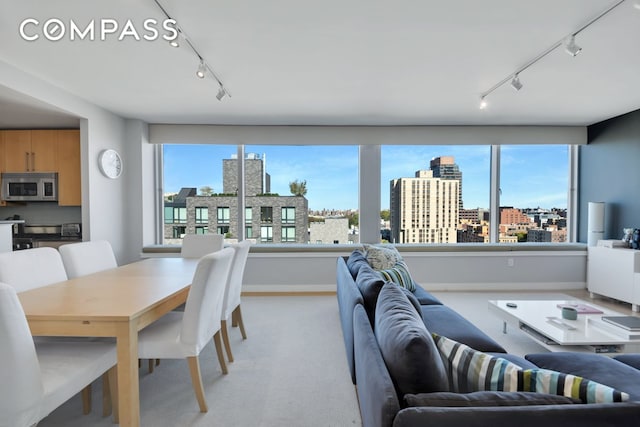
x,y
399,274
470,370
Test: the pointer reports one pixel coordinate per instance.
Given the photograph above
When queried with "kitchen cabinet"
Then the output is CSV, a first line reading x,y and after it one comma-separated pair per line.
x,y
69,187
30,151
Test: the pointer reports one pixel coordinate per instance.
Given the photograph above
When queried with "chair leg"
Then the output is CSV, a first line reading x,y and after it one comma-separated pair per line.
x,y
106,395
218,343
196,380
225,339
113,393
151,365
86,399
238,314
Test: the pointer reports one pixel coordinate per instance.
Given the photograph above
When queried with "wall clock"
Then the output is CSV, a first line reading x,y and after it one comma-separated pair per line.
x,y
110,163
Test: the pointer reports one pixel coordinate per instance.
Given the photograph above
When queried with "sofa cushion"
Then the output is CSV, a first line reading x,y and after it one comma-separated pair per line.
x,y
356,260
381,256
485,398
406,346
424,297
632,359
596,367
470,370
369,282
399,274
445,321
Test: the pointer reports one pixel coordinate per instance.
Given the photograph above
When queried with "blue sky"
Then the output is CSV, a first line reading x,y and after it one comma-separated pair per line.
x,y
531,176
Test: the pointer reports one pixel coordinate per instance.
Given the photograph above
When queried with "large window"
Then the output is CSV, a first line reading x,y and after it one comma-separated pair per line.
x,y
428,193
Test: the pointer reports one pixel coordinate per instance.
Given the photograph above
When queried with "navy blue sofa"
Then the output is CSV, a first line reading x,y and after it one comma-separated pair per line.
x,y
382,404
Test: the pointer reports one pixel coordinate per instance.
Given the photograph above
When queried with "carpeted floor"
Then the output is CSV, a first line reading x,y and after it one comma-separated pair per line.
x,y
291,371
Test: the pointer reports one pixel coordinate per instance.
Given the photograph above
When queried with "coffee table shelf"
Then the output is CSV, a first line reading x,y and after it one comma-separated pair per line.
x,y
542,320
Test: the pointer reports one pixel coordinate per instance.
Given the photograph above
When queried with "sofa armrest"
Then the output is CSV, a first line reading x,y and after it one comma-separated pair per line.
x,y
578,415
348,297
376,392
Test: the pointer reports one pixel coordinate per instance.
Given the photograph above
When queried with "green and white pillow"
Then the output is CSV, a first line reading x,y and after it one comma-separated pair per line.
x,y
470,370
399,274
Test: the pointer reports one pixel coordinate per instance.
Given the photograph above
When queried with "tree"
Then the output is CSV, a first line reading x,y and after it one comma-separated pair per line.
x,y
206,191
298,188
385,214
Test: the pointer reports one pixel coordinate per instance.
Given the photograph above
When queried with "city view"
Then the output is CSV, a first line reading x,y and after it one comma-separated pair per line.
x,y
309,194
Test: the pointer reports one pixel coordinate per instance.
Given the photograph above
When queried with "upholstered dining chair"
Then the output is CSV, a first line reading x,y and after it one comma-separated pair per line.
x,y
37,378
34,268
84,258
178,335
231,305
198,245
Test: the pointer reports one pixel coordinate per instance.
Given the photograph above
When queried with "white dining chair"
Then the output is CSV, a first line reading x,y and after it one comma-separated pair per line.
x,y
37,378
231,304
198,245
84,258
178,335
34,268
31,268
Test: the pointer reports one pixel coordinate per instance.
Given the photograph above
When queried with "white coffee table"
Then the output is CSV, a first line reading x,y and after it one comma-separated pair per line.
x,y
542,320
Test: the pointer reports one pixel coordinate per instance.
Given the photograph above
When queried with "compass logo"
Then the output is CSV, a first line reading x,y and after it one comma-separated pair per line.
x,y
55,29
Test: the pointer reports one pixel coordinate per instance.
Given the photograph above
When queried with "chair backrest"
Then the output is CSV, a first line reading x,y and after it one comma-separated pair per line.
x,y
234,284
204,304
21,393
199,245
84,258
31,268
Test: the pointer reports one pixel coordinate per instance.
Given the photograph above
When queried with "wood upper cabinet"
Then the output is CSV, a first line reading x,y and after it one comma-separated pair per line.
x,y
69,187
30,151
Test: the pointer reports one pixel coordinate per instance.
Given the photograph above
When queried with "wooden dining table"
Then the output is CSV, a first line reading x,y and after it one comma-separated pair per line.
x,y
116,303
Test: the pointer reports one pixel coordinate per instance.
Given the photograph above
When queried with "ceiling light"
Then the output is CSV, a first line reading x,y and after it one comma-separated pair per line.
x,y
221,93
483,103
515,83
202,69
571,47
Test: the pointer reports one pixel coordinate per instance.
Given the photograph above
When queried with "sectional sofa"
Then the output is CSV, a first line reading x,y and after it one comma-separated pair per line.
x,y
403,378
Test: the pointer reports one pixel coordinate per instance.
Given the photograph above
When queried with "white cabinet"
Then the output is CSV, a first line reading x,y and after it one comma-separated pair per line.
x,y
615,273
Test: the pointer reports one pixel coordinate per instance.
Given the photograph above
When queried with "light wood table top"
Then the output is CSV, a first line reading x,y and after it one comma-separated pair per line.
x,y
113,303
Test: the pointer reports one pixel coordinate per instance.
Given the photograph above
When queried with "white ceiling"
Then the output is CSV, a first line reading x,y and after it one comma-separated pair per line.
x,y
336,62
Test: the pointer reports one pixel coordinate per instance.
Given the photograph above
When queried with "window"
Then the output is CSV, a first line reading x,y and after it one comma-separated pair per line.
x,y
266,234
435,194
168,215
223,215
248,215
248,232
202,215
202,230
288,215
288,234
222,229
266,214
180,215
178,232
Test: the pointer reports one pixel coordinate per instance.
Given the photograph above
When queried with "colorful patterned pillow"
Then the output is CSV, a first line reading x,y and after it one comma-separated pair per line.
x,y
399,274
470,370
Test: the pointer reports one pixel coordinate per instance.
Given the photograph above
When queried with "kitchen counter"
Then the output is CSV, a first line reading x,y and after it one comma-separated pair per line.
x,y
6,234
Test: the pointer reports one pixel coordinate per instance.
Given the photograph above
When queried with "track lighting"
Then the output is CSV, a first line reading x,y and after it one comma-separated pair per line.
x,y
221,93
515,83
202,69
571,47
483,103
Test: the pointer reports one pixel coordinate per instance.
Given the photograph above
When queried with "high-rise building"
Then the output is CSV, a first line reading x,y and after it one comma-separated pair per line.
x,y
445,167
268,218
424,209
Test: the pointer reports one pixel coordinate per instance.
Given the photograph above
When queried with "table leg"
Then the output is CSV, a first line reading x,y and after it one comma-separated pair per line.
x,y
128,386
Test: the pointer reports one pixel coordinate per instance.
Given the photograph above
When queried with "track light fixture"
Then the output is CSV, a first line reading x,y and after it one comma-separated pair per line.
x,y
570,46
202,69
203,66
515,83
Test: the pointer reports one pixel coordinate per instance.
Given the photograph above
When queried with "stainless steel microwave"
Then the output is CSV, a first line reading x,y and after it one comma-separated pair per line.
x,y
30,186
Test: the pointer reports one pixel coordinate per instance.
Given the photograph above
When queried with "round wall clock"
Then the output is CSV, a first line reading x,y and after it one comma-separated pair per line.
x,y
110,163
